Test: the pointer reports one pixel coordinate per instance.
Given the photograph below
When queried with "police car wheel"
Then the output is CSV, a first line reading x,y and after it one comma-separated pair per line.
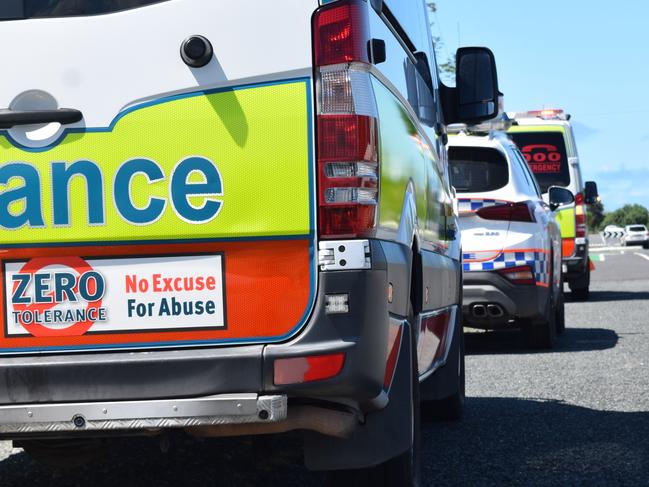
x,y
542,334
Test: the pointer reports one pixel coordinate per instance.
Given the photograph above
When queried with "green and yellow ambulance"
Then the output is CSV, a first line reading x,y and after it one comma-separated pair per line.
x,y
547,140
231,218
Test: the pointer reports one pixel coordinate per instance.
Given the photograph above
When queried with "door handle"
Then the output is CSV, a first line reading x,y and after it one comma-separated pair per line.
x,y
64,116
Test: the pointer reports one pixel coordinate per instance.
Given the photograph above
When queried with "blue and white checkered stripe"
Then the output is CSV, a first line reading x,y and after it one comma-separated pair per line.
x,y
471,205
537,260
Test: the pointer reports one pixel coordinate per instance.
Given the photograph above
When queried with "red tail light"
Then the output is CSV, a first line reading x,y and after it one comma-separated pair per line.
x,y
581,229
519,275
341,34
347,124
513,212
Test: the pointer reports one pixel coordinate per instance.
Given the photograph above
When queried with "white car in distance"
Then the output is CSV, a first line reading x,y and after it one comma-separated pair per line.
x,y
636,235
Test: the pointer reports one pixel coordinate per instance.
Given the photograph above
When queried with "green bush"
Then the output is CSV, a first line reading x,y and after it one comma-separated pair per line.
x,y
627,215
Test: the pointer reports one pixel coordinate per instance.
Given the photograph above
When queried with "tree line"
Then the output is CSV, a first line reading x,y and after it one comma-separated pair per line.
x,y
631,214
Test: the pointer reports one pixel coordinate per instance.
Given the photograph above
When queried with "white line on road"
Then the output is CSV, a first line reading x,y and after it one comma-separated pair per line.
x,y
605,249
644,256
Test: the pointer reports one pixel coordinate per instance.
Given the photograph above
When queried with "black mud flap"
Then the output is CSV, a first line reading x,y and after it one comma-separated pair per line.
x,y
384,435
443,382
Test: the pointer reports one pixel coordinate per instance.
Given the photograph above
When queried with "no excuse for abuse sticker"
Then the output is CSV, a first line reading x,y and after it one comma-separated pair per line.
x,y
72,296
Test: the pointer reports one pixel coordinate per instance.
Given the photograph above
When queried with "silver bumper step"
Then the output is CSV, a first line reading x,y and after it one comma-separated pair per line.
x,y
137,415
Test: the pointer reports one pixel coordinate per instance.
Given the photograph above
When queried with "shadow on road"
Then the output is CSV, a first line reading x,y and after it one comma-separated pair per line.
x,y
602,296
502,441
139,462
508,441
511,341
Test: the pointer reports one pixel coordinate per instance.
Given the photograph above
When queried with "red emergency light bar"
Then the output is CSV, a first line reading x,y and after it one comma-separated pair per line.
x,y
550,112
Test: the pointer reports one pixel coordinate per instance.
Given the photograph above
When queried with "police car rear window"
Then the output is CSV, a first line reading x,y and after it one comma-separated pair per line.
x,y
477,169
545,153
27,9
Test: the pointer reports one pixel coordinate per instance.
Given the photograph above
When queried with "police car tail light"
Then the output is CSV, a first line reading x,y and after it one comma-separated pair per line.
x,y
519,275
347,122
580,216
513,212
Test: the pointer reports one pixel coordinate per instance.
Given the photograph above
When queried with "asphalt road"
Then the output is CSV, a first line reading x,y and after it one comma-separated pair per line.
x,y
575,416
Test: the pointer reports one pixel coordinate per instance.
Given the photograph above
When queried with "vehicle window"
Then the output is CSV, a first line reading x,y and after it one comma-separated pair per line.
x,y
637,228
407,14
545,152
477,169
27,9
528,173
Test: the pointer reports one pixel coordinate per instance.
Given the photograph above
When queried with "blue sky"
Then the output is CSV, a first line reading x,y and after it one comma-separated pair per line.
x,y
590,58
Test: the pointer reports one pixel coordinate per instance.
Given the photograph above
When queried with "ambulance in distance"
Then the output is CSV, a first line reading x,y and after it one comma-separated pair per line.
x,y
547,141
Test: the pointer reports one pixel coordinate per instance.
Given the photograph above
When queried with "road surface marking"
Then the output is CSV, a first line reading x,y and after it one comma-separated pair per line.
x,y
605,249
644,256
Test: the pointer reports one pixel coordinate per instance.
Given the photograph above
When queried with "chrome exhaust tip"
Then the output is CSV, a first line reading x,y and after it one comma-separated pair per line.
x,y
495,311
479,311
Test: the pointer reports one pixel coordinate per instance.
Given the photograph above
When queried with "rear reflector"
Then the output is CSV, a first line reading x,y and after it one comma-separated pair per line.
x,y
513,212
567,247
395,333
298,370
439,325
519,275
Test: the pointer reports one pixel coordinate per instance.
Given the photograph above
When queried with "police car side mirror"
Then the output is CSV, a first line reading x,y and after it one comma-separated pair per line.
x,y
590,193
559,196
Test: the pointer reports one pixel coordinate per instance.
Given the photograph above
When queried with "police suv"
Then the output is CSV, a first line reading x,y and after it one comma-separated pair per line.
x,y
511,243
231,220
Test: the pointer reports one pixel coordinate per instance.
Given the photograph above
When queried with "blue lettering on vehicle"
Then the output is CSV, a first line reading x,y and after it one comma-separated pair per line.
x,y
27,196
30,192
89,286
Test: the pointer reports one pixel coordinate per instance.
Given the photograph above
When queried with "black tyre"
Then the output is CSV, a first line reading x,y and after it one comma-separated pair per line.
x,y
543,334
403,470
580,287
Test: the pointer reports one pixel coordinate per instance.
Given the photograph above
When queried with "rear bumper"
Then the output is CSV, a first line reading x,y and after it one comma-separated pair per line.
x,y
636,241
225,409
85,384
576,264
517,301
